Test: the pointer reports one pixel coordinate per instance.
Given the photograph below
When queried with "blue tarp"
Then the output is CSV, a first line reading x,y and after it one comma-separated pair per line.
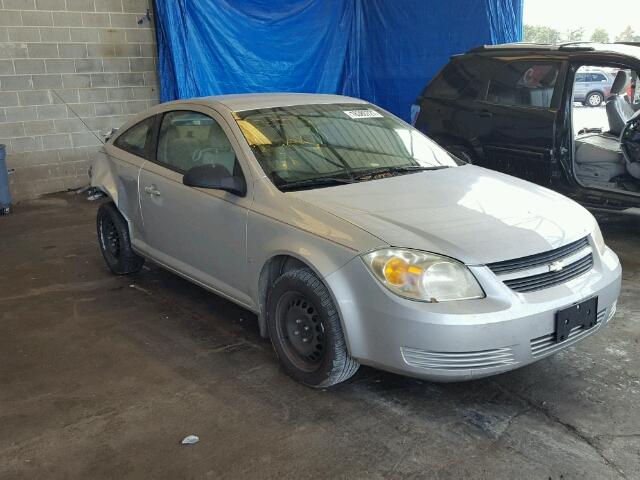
x,y
381,50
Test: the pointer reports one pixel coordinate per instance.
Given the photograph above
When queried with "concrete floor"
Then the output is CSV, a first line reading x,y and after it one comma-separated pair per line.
x,y
589,117
102,376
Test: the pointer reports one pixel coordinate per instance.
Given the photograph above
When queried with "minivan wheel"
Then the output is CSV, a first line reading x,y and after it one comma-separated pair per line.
x,y
305,330
594,99
114,241
463,153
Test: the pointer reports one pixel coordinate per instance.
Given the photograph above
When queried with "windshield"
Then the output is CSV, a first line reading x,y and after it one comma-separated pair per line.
x,y
322,145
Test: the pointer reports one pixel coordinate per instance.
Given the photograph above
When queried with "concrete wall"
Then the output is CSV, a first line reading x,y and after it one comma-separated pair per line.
x,y
96,58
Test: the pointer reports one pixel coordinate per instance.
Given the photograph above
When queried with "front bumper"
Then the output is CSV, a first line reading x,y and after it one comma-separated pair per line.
x,y
461,340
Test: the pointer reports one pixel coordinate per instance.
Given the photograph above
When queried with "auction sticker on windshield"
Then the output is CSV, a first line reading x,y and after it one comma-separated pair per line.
x,y
364,113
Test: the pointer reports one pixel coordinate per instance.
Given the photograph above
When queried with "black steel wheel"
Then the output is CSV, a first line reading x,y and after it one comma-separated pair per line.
x,y
115,244
298,323
305,330
110,242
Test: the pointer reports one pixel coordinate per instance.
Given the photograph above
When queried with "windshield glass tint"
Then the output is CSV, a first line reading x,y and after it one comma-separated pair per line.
x,y
306,142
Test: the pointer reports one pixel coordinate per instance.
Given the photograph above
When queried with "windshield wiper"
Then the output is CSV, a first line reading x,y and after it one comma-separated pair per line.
x,y
397,169
330,181
314,182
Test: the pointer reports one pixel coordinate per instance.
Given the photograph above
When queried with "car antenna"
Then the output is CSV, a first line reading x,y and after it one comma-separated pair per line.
x,y
77,116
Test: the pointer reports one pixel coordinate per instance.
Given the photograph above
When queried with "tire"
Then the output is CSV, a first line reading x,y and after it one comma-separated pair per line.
x,y
114,241
463,153
593,99
300,307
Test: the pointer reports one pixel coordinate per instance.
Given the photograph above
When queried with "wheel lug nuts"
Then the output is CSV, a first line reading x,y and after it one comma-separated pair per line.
x,y
305,340
306,328
298,321
296,332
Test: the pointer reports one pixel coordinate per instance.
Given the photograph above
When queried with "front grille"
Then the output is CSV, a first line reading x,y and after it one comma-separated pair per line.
x,y
539,259
549,279
536,272
498,357
546,344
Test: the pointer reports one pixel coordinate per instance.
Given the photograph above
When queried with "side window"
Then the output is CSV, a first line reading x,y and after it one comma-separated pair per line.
x,y
188,139
460,79
581,77
137,139
524,83
598,77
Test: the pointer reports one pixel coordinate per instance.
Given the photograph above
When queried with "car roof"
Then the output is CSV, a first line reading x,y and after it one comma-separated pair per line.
x,y
253,101
569,48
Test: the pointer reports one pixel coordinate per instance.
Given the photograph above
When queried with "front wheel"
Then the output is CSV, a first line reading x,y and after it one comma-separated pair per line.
x,y
305,330
115,244
594,99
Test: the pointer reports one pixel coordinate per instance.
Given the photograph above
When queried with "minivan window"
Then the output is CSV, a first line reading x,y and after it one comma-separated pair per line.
x,y
137,139
524,83
458,80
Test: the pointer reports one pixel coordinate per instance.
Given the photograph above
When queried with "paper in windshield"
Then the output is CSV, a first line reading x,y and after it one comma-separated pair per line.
x,y
364,113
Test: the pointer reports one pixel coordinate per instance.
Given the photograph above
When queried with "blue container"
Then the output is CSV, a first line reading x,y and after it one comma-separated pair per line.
x,y
5,195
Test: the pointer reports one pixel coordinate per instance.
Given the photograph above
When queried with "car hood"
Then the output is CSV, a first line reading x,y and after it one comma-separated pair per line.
x,y
470,213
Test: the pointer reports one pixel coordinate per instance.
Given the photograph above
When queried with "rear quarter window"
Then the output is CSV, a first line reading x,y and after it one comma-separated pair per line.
x,y
460,79
137,139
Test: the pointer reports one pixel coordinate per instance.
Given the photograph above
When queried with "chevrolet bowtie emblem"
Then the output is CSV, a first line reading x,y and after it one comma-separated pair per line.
x,y
555,266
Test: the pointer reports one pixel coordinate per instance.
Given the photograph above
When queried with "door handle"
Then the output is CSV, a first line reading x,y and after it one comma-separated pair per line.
x,y
485,113
152,190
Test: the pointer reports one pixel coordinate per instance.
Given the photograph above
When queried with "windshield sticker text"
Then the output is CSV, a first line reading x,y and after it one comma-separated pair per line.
x,y
367,113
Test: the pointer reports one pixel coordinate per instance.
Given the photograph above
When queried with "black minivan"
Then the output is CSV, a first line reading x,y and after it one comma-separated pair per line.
x,y
511,108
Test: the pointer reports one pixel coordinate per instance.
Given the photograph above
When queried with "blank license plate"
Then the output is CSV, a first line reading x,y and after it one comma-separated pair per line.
x,y
581,314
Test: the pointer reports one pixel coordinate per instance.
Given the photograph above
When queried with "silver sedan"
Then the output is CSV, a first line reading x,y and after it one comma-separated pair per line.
x,y
353,237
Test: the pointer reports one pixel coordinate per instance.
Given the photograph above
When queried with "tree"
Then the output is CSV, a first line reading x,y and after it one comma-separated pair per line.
x,y
628,35
540,34
575,35
600,35
530,33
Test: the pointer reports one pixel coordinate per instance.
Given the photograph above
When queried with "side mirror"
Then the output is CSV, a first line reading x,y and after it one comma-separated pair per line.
x,y
215,177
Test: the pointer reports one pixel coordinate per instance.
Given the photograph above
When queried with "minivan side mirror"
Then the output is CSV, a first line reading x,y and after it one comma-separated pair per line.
x,y
215,177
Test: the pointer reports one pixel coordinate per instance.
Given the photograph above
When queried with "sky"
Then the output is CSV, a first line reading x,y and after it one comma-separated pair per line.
x,y
563,15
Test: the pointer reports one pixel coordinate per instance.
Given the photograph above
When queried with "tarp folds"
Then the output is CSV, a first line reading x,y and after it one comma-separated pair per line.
x,y
381,50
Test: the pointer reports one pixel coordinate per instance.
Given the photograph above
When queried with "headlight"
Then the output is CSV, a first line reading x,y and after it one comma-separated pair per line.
x,y
597,238
423,276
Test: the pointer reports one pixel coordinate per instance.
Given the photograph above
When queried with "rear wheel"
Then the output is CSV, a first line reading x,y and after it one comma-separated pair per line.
x,y
305,330
594,99
115,244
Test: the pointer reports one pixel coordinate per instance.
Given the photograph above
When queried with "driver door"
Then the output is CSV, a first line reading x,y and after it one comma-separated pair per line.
x,y
199,233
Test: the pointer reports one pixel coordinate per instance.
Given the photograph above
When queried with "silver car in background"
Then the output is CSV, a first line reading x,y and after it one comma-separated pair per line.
x,y
592,87
353,237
